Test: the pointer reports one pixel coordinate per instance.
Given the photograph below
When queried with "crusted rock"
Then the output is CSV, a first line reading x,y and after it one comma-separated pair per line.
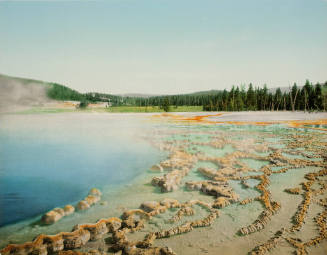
x,y
221,202
170,203
157,167
293,191
53,216
69,209
139,212
95,192
83,205
269,245
54,243
91,200
96,230
246,201
113,224
182,212
149,206
76,239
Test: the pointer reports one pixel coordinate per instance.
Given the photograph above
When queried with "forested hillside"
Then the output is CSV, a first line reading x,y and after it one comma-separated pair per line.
x,y
307,97
60,92
14,85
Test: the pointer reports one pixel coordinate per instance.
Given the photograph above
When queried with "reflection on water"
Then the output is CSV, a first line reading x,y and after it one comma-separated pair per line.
x,y
52,160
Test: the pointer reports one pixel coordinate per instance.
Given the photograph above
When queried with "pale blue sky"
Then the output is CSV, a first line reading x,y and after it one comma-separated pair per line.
x,y
164,46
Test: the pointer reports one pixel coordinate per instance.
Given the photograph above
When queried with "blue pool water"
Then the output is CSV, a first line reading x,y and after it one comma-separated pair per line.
x,y
48,161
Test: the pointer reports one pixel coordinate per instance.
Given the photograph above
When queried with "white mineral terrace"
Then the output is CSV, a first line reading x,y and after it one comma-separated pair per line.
x,y
222,189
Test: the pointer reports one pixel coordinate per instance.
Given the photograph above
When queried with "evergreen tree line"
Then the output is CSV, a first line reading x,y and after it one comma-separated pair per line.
x,y
305,98
240,98
61,92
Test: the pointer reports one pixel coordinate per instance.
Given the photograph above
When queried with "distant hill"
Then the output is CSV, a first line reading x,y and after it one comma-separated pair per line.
x,y
16,91
29,91
52,90
283,89
140,95
204,93
20,92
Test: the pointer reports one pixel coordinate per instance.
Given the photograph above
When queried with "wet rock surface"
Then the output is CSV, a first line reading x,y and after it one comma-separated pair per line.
x,y
56,214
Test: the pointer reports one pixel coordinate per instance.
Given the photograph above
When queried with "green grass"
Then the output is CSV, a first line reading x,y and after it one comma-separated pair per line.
x,y
153,109
45,110
114,109
187,109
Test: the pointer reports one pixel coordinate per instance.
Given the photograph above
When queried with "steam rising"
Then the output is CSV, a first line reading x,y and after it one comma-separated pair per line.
x,y
17,94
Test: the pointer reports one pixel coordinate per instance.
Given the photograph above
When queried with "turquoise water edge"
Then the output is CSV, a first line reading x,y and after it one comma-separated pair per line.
x,y
48,161
51,160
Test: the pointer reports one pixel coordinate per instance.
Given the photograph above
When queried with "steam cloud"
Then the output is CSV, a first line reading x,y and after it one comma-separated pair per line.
x,y
16,94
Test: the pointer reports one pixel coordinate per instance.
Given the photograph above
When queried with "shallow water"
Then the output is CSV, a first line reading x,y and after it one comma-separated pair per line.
x,y
51,160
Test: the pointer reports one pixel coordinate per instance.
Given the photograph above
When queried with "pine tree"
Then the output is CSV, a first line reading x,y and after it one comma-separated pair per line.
x,y
293,95
318,97
278,98
306,93
250,98
166,105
